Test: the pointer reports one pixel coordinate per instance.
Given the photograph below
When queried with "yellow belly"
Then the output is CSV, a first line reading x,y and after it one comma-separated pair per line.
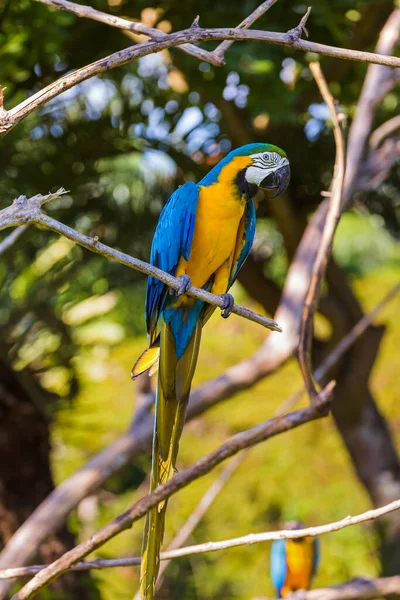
x,y
300,558
218,216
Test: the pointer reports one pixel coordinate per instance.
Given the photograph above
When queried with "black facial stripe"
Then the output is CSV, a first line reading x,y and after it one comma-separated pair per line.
x,y
245,188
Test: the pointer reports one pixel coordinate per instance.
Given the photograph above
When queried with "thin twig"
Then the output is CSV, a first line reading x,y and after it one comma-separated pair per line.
x,y
245,24
191,35
12,238
245,540
24,210
332,219
244,439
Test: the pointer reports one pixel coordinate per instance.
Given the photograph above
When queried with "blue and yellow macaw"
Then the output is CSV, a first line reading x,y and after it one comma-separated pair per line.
x,y
293,563
204,235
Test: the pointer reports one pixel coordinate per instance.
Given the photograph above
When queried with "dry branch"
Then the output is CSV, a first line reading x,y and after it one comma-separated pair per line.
x,y
9,119
27,210
246,540
245,24
204,465
319,268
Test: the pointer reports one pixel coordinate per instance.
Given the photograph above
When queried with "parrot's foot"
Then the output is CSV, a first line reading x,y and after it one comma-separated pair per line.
x,y
185,284
229,301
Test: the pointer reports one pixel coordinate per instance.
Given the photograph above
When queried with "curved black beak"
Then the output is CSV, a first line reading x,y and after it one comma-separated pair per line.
x,y
278,180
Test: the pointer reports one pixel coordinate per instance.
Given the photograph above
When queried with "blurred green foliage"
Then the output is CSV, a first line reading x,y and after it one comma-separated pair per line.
x,y
121,143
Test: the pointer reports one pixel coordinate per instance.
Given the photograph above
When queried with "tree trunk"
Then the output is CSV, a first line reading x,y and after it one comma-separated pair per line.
x,y
25,476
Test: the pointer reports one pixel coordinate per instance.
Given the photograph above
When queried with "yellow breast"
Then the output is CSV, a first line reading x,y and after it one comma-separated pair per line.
x,y
219,212
300,559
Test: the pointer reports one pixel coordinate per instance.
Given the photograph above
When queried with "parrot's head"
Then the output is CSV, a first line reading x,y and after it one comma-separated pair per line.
x,y
269,169
251,167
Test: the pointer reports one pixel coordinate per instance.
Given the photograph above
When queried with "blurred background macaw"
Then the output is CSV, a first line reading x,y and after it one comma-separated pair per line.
x,y
294,562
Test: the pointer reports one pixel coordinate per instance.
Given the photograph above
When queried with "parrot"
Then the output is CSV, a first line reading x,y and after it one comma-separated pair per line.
x,y
294,562
203,236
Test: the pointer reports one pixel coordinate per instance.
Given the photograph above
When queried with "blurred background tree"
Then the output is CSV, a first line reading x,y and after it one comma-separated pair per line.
x,y
70,321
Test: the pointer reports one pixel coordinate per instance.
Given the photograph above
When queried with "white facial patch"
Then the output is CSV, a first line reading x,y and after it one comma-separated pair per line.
x,y
264,164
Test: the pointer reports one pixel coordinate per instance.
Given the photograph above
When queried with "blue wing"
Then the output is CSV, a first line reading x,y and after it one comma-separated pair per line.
x,y
172,240
278,565
317,556
248,239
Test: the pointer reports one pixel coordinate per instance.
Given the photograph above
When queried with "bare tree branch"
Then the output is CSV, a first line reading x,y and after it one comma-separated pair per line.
x,y
245,540
27,210
268,536
332,219
8,119
244,439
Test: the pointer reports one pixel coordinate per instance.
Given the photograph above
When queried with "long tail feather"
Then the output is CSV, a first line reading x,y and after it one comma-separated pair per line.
x,y
174,380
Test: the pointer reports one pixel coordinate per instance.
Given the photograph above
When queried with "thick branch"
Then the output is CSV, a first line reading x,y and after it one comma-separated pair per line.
x,y
319,268
24,210
9,119
238,442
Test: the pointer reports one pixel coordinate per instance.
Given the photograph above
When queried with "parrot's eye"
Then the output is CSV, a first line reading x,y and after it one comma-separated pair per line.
x,y
266,156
